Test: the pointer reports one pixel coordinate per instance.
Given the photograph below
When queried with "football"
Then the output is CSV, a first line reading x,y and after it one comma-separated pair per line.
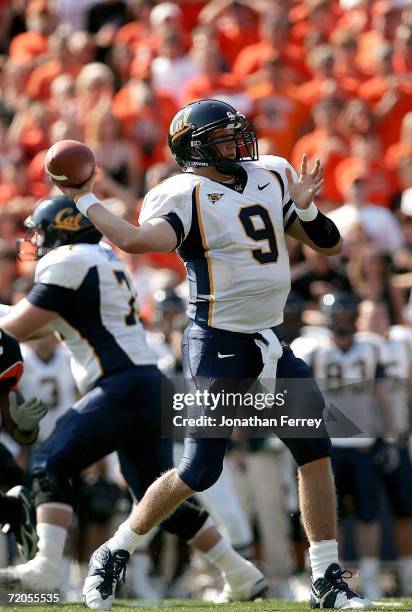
x,y
69,163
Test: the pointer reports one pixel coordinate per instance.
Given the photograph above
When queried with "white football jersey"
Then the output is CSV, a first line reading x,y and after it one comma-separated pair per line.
x,y
398,365
232,240
347,379
50,381
89,287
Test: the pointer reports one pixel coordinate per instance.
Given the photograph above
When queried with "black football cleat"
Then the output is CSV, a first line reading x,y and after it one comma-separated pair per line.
x,y
332,592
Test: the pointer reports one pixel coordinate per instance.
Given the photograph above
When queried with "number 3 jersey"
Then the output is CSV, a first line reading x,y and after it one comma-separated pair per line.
x,y
50,381
232,240
89,287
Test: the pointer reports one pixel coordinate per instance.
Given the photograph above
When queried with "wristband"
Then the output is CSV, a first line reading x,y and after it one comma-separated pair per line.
x,y
307,214
84,201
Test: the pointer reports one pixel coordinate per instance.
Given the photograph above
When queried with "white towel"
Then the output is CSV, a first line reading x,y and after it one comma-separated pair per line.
x,y
271,350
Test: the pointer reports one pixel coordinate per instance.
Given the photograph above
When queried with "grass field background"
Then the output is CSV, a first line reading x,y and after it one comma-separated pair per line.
x,y
268,605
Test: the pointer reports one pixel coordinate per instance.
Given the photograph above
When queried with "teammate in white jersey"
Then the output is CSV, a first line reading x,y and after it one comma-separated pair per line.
x,y
47,373
227,214
392,453
83,292
348,366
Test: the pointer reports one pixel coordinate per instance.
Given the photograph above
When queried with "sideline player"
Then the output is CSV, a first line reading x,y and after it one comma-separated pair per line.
x,y
21,420
351,368
82,291
392,453
227,214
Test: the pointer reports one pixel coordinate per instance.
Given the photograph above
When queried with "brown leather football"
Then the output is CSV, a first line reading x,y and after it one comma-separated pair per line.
x,y
69,163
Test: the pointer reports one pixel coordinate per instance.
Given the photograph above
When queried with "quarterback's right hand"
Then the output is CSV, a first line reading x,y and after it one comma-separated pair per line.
x,y
73,192
26,416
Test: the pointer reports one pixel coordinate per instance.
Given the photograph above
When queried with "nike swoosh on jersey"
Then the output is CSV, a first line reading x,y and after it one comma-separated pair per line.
x,y
223,356
260,187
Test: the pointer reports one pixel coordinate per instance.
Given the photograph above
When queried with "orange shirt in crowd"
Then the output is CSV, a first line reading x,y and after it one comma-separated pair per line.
x,y
40,80
27,46
312,145
203,86
312,91
381,183
401,65
33,139
232,40
153,119
394,154
368,43
303,25
252,58
34,189
389,126
278,115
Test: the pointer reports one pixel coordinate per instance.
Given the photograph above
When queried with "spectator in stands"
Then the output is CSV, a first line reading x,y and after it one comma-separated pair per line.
x,y
234,22
114,154
326,143
172,67
61,102
389,95
94,84
41,20
318,16
318,277
386,16
82,47
144,114
278,114
212,81
274,30
321,61
136,30
60,61
378,223
346,72
13,93
366,158
370,275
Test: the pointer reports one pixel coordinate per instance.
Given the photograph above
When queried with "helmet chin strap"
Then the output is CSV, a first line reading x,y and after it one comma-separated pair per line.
x,y
227,166
224,165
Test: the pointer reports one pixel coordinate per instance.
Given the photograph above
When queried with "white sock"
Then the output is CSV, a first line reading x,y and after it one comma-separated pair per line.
x,y
405,575
322,554
369,568
233,567
51,541
125,538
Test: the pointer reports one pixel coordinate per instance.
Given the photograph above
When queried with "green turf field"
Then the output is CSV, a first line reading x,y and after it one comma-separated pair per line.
x,y
269,605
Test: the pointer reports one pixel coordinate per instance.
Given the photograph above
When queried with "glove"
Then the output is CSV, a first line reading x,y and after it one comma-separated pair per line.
x,y
26,416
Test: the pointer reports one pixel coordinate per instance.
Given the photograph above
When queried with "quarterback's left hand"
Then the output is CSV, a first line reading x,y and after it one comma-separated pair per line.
x,y
307,186
26,416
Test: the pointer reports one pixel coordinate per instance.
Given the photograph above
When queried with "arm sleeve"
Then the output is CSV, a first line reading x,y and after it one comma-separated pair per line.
x,y
175,208
277,166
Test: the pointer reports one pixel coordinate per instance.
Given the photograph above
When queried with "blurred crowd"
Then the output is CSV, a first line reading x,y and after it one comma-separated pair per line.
x,y
329,78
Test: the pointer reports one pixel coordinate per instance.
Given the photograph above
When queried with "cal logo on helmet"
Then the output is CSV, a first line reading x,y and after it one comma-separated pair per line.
x,y
181,124
66,220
